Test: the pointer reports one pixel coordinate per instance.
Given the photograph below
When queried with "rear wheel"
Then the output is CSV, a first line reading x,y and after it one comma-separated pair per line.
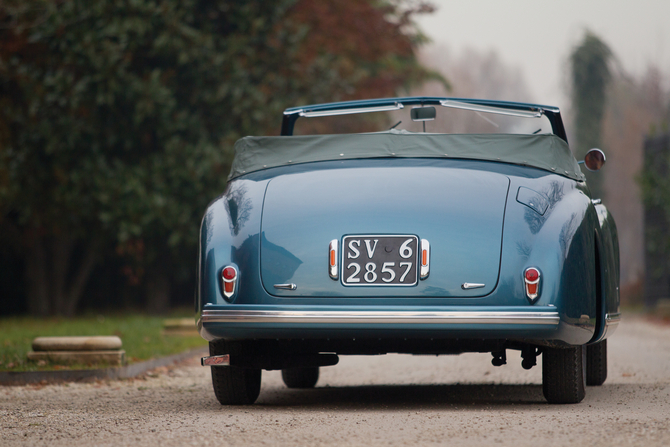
x,y
596,363
300,377
233,385
564,375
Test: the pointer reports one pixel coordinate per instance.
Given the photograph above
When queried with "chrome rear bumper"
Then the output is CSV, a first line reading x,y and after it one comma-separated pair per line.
x,y
611,323
550,318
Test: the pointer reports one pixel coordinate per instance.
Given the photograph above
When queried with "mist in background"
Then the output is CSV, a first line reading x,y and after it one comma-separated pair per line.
x,y
520,50
537,37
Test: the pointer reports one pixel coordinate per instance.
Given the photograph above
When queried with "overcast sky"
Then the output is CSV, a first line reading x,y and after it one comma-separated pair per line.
x,y
537,35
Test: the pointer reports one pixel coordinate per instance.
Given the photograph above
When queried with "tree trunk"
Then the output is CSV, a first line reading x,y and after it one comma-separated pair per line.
x,y
55,278
75,290
158,291
36,277
61,252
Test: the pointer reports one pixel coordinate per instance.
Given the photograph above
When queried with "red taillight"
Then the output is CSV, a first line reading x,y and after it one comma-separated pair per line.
x,y
532,274
532,282
229,273
229,288
229,277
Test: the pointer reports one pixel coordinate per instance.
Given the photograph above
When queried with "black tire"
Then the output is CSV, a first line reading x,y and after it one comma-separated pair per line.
x,y
596,364
564,375
232,385
300,377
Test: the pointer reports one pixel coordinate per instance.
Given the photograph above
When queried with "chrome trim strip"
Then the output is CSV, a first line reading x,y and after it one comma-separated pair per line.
x,y
379,317
425,269
490,109
472,285
333,269
611,324
310,114
290,286
612,319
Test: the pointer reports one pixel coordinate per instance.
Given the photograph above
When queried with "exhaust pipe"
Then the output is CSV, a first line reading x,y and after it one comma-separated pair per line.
x,y
216,360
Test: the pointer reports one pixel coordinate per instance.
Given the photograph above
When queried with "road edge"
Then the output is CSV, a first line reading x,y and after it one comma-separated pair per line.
x,y
18,378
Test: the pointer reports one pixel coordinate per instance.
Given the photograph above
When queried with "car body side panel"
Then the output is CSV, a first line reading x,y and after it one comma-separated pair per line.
x,y
560,244
230,235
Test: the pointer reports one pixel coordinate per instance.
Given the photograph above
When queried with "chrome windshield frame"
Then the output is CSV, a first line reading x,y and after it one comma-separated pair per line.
x,y
525,110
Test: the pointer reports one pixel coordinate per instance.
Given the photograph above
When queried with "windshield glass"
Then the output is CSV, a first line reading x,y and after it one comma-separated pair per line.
x,y
447,120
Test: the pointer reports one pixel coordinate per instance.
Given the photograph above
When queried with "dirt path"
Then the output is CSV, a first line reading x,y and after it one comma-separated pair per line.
x,y
386,400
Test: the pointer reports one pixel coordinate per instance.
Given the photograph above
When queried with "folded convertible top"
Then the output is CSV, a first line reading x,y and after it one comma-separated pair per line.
x,y
547,152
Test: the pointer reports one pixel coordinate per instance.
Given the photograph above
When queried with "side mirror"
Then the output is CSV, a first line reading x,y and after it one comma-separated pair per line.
x,y
594,159
423,113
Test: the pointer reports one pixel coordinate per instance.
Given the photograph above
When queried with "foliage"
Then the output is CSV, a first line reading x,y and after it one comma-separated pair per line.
x,y
636,105
141,336
655,185
590,74
117,118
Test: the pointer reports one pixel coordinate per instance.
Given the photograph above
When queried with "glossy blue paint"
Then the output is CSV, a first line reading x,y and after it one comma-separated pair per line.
x,y
534,200
459,214
462,217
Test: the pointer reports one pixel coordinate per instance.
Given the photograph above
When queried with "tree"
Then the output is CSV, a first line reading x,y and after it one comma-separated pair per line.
x,y
117,118
652,110
637,106
590,75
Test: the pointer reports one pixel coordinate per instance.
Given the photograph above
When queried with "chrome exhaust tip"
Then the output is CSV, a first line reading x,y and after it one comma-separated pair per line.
x,y
216,360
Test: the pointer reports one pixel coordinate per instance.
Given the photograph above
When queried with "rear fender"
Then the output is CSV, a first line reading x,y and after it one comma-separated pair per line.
x,y
607,252
230,235
560,243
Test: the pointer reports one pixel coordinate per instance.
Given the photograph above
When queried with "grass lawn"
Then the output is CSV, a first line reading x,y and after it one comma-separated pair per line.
x,y
141,336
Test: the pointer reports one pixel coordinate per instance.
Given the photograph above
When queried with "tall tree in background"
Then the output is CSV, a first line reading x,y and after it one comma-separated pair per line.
x,y
590,76
650,114
117,118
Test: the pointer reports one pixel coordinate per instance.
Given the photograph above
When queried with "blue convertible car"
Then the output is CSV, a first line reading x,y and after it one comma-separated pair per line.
x,y
407,241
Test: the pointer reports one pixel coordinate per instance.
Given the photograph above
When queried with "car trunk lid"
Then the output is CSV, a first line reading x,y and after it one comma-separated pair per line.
x,y
459,211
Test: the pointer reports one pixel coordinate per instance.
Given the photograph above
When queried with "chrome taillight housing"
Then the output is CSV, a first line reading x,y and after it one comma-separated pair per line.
x,y
229,276
531,278
425,259
333,269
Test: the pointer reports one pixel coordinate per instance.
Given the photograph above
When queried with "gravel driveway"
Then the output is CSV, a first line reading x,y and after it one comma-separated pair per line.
x,y
386,400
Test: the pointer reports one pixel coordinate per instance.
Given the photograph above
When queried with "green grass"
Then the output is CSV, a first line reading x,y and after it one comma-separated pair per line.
x,y
141,336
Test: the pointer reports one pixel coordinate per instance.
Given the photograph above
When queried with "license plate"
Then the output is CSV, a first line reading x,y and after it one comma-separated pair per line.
x,y
380,260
